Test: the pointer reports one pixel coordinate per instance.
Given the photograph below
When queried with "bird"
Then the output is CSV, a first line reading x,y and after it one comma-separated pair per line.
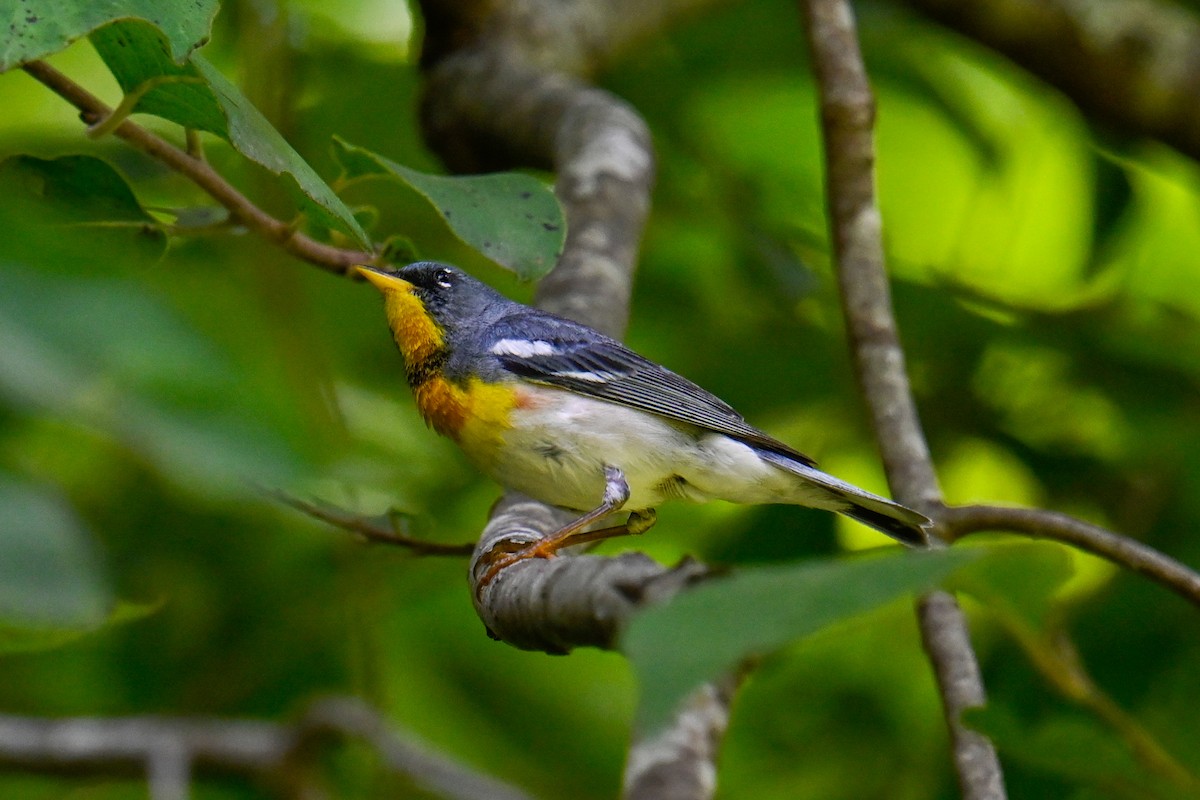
x,y
573,418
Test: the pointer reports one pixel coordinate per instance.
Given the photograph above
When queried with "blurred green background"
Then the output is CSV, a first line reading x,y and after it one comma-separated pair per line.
x,y
1046,284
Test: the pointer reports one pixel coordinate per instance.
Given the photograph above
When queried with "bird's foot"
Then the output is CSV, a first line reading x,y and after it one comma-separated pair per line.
x,y
504,555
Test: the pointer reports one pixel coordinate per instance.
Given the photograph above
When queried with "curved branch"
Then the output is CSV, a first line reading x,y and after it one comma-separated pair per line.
x,y
335,259
959,521
847,118
1133,64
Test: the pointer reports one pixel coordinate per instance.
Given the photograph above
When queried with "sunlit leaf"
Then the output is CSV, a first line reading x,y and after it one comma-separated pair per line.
x,y
513,219
32,29
709,630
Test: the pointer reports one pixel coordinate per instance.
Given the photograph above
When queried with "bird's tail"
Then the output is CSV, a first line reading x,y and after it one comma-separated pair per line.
x,y
822,490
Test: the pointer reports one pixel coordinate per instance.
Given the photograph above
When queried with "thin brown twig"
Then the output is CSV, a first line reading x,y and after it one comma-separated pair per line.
x,y
335,259
847,121
368,528
959,521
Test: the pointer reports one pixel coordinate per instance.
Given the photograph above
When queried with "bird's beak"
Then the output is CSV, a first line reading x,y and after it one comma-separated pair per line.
x,y
384,281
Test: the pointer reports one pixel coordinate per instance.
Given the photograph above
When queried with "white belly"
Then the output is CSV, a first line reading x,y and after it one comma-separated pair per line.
x,y
560,443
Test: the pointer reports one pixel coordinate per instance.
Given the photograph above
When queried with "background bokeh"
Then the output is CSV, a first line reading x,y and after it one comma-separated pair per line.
x,y
1047,286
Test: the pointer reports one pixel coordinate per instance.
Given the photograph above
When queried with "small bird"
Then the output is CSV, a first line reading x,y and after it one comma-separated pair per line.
x,y
573,418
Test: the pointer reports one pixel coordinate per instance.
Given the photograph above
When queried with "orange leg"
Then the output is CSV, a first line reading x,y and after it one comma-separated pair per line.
x,y
616,492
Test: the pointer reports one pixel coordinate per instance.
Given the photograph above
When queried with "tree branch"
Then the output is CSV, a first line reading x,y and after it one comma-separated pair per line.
x,y
680,761
334,259
847,118
167,749
959,521
369,528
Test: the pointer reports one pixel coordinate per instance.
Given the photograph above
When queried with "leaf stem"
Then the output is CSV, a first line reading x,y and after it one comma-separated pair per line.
x,y
329,257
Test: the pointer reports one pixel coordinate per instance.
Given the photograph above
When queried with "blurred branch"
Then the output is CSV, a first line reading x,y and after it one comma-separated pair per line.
x,y
368,527
682,756
959,521
1133,64
168,749
196,169
1058,661
847,119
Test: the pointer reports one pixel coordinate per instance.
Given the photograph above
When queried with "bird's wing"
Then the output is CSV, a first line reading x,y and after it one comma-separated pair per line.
x,y
557,352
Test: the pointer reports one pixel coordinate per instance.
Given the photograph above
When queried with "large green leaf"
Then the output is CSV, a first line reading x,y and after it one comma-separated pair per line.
x,y
513,219
708,631
50,572
196,95
32,29
80,192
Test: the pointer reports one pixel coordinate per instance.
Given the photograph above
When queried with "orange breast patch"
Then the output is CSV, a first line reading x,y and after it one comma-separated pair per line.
x,y
475,415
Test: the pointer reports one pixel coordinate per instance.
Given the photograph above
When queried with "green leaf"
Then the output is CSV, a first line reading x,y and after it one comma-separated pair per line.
x,y
32,29
511,218
81,187
1020,579
196,95
50,573
137,56
81,191
706,632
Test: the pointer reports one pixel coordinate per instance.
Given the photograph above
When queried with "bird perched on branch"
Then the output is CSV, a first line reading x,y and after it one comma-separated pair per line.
x,y
573,418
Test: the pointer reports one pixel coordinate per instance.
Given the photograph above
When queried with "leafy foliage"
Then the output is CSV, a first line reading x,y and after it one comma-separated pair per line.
x,y
196,95
156,364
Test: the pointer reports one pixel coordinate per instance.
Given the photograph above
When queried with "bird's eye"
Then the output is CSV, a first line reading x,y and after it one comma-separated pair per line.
x,y
443,278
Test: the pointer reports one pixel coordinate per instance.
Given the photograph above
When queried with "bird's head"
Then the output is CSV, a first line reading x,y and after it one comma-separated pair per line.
x,y
429,304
